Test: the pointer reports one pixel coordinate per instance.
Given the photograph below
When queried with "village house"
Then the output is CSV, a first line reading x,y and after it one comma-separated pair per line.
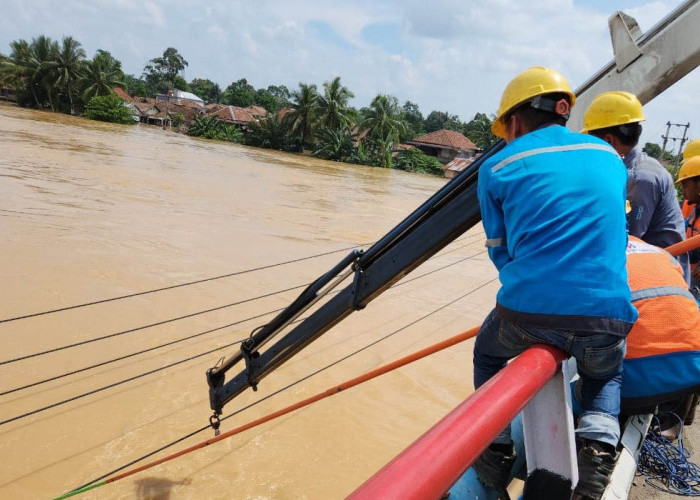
x,y
242,117
160,111
182,98
445,145
457,164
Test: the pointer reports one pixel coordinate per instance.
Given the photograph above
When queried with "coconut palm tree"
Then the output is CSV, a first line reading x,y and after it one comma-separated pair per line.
x,y
335,144
10,73
29,63
384,123
102,74
383,118
333,105
271,132
43,51
302,118
479,131
68,65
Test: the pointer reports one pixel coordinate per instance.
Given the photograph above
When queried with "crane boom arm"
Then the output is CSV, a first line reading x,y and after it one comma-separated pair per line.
x,y
644,64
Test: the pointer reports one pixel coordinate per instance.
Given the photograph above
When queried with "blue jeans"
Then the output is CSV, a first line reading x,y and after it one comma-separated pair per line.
x,y
598,357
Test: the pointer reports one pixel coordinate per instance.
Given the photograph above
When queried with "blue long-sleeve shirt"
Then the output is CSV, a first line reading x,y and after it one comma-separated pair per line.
x,y
553,209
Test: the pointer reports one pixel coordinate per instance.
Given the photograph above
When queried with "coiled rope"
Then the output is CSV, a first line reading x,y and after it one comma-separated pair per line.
x,y
105,478
667,465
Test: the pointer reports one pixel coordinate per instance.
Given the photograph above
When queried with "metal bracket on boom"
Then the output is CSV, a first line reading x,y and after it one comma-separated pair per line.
x,y
624,32
249,351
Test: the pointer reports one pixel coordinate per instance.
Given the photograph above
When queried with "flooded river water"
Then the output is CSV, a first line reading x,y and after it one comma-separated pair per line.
x,y
91,211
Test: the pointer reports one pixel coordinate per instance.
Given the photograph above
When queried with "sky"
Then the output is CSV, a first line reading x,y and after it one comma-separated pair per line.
x,y
446,55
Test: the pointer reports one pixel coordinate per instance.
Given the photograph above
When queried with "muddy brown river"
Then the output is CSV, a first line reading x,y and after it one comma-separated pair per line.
x,y
92,211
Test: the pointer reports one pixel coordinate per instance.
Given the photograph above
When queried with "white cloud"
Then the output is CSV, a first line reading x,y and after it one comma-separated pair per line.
x,y
458,56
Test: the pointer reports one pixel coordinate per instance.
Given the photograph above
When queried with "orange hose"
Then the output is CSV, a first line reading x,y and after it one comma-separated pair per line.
x,y
329,392
684,246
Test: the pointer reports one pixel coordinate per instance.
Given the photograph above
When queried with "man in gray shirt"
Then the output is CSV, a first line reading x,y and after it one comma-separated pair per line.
x,y
655,214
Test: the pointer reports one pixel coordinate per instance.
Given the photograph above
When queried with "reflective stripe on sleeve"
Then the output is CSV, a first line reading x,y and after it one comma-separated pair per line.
x,y
553,149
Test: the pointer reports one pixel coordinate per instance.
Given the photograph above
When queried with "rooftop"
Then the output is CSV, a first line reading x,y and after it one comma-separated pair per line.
x,y
446,139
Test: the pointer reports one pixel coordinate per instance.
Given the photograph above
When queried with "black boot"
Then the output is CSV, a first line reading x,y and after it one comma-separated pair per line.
x,y
493,467
596,461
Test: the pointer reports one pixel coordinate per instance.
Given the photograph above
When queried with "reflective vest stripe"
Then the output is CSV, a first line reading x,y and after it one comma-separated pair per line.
x,y
553,149
661,291
495,242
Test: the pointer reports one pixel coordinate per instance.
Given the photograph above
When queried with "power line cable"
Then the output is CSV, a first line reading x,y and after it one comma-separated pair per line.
x,y
89,393
136,294
131,330
193,433
130,379
34,384
80,370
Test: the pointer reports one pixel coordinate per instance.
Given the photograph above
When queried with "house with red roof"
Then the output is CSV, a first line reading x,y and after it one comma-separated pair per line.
x,y
232,114
445,145
122,93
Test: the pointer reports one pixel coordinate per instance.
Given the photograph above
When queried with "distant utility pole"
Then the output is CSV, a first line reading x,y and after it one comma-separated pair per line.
x,y
666,137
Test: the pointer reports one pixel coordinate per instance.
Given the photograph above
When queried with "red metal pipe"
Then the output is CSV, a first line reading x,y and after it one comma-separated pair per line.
x,y
432,464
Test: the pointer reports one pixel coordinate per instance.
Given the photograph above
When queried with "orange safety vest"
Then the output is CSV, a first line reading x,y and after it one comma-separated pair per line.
x,y
669,320
662,362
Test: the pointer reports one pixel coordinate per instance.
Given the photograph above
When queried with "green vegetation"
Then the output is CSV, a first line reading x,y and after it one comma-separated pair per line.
x,y
58,76
46,74
161,73
414,160
210,127
108,108
271,132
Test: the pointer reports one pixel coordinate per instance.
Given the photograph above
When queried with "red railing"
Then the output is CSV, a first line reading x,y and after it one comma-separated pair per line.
x,y
431,465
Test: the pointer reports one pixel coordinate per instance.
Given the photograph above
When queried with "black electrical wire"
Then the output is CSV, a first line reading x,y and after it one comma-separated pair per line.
x,y
193,433
95,391
131,330
80,370
89,393
215,329
136,294
77,344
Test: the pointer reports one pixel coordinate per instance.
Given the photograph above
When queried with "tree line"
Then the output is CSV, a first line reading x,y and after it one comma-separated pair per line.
x,y
49,74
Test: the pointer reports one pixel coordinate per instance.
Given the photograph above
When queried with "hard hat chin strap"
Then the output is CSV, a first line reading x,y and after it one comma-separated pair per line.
x,y
560,107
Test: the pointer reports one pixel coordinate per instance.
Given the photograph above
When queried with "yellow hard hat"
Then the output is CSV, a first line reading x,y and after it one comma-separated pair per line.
x,y
692,149
611,109
532,82
689,169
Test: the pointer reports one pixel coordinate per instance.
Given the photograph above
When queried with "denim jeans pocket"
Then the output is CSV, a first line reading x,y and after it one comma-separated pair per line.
x,y
602,362
515,338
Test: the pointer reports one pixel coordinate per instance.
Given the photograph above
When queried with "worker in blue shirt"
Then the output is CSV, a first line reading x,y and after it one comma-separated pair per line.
x,y
655,216
553,209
